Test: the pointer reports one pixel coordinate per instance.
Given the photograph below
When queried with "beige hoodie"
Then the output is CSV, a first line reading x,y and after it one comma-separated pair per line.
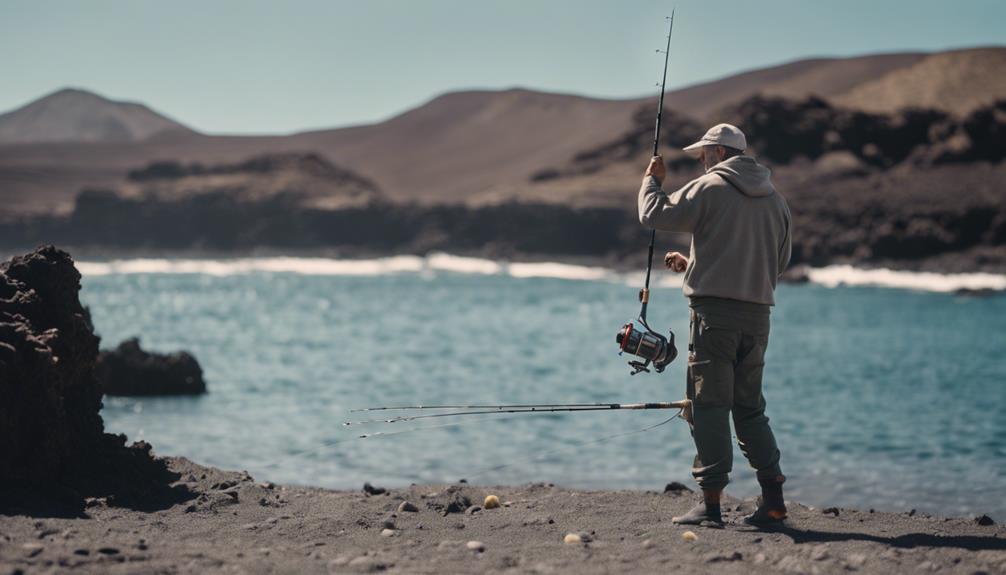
x,y
740,229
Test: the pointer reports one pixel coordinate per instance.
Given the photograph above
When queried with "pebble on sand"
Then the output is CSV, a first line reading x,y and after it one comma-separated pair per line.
x,y
371,490
407,507
32,549
476,546
572,539
984,521
387,533
689,536
491,502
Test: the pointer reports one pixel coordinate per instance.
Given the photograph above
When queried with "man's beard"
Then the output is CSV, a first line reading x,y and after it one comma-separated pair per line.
x,y
709,158
708,164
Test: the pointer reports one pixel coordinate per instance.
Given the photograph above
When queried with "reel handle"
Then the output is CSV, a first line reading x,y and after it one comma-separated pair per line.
x,y
638,366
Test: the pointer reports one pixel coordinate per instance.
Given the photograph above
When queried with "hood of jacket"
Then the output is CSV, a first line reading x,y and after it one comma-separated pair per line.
x,y
747,175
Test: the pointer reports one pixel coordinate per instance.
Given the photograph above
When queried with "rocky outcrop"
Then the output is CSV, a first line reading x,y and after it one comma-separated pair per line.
x,y
52,438
783,130
222,223
293,178
304,163
131,371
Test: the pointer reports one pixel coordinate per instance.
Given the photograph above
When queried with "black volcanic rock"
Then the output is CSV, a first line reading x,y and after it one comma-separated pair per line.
x,y
783,130
52,441
131,371
981,137
986,127
47,351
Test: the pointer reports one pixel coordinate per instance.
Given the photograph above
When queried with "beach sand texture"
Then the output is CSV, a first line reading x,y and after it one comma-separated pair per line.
x,y
226,522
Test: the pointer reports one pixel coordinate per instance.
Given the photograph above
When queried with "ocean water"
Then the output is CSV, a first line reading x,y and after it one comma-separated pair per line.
x,y
880,398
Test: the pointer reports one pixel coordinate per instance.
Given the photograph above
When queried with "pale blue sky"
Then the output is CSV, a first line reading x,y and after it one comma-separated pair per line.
x,y
247,66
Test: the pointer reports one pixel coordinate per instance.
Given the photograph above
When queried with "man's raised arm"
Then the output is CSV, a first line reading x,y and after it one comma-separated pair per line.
x,y
678,212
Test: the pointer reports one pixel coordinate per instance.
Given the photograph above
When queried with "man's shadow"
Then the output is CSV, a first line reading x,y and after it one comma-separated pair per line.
x,y
907,541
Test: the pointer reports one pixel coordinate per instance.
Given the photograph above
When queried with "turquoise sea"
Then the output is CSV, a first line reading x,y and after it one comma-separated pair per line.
x,y
880,397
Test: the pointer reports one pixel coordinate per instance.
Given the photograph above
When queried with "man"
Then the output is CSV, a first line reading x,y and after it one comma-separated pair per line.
x,y
740,229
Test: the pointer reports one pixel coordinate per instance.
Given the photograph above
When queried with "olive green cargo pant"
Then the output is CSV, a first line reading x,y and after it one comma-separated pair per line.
x,y
726,356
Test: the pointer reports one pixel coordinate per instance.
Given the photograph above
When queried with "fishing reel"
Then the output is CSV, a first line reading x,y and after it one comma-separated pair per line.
x,y
654,348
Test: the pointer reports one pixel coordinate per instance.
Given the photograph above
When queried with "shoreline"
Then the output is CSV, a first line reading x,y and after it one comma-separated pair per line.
x,y
225,521
588,269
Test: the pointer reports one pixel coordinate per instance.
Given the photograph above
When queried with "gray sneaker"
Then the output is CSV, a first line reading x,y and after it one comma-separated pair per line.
x,y
701,513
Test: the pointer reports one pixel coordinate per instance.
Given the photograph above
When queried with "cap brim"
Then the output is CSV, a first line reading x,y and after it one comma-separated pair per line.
x,y
695,150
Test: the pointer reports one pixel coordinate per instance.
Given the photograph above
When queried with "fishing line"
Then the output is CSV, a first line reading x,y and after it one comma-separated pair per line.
x,y
476,406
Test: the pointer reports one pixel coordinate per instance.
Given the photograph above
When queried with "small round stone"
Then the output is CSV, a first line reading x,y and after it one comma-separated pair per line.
x,y
491,502
476,546
689,536
572,539
387,533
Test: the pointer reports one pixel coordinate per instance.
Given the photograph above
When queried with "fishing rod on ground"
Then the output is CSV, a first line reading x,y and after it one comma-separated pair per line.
x,y
529,408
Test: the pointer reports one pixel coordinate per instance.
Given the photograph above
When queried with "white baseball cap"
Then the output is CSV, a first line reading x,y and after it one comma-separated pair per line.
x,y
720,135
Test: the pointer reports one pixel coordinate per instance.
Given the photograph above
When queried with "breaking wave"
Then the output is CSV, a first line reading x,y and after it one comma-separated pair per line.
x,y
829,276
832,276
226,267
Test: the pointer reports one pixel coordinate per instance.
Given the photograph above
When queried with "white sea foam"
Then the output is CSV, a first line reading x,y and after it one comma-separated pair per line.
x,y
305,266
560,271
449,263
832,276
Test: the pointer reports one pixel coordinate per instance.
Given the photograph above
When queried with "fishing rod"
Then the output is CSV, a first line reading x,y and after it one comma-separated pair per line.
x,y
476,406
680,405
651,346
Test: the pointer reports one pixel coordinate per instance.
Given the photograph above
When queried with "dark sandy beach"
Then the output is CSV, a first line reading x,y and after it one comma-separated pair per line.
x,y
227,522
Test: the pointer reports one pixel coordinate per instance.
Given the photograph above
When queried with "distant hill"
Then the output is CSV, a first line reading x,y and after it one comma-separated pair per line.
x,y
72,115
478,146
822,77
957,82
463,143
